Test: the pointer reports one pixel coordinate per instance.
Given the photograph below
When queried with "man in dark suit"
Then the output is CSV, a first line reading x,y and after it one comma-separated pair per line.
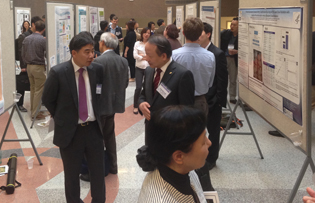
x,y
217,94
115,81
71,94
165,81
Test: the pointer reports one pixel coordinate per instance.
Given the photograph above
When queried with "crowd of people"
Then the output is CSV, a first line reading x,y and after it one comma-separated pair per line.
x,y
180,91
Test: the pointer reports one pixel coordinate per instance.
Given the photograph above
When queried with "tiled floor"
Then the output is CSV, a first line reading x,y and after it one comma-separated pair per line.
x,y
240,174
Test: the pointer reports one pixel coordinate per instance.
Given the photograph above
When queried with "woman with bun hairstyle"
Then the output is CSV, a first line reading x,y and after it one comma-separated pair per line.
x,y
177,145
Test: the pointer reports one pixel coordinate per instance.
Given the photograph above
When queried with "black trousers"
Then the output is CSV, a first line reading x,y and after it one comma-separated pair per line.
x,y
139,80
132,66
108,127
88,142
213,127
21,101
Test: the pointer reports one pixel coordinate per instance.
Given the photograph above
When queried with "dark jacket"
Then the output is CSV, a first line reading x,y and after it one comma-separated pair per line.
x,y
97,38
20,43
226,36
129,41
218,92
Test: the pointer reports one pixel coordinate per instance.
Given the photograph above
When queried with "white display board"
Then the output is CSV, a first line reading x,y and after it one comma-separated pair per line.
x,y
1,80
180,18
191,10
21,15
82,19
94,26
101,15
209,13
60,30
169,15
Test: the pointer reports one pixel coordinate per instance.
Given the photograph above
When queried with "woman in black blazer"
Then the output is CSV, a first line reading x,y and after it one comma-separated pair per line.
x,y
129,42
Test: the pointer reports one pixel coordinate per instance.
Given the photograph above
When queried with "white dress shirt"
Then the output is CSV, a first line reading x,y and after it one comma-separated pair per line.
x,y
163,68
91,116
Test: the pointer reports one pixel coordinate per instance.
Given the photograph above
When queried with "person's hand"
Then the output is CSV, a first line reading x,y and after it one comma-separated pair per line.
x,y
125,55
121,39
311,199
144,58
144,107
23,70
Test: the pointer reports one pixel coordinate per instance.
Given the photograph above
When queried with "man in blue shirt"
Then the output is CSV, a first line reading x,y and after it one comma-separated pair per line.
x,y
196,59
116,30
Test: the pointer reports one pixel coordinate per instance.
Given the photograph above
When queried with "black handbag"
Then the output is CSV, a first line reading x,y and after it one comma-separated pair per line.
x,y
22,82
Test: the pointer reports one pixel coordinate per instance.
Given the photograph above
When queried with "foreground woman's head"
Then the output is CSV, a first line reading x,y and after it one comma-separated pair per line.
x,y
176,138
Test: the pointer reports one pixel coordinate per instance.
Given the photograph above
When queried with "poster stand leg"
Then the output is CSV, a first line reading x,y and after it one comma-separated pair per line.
x,y
229,109
308,160
240,103
15,107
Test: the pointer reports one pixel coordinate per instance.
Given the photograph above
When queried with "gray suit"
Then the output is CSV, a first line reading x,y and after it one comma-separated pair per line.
x,y
115,82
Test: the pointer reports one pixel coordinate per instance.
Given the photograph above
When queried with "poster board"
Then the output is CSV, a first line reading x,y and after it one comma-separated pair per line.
x,y
191,10
93,13
169,15
21,14
60,30
7,57
81,19
275,83
101,16
180,18
210,13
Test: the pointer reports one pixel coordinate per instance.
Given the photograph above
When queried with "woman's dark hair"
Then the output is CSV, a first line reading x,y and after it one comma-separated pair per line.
x,y
131,25
23,28
144,30
171,128
172,31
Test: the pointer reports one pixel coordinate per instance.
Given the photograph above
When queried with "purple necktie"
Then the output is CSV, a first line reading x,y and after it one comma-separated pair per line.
x,y
83,111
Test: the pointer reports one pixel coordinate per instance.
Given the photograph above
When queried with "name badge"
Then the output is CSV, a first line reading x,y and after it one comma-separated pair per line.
x,y
163,90
98,88
117,33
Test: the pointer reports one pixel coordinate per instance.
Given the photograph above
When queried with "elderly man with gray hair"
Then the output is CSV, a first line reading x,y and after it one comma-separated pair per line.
x,y
115,82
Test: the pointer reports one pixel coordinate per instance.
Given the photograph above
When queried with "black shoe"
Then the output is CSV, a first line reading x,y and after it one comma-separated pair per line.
x,y
22,109
233,101
85,177
113,171
211,165
275,133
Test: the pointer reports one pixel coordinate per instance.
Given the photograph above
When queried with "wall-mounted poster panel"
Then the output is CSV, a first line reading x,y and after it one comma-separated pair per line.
x,y
21,15
180,21
270,62
82,19
191,10
101,15
93,20
60,30
209,13
169,15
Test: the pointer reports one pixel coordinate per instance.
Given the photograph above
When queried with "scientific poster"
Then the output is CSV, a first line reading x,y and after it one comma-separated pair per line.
x,y
101,14
180,21
169,15
82,19
63,33
93,20
270,53
21,16
191,10
1,80
207,15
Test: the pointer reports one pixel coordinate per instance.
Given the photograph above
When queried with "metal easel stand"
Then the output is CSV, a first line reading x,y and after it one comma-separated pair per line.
x,y
229,109
37,111
240,103
15,107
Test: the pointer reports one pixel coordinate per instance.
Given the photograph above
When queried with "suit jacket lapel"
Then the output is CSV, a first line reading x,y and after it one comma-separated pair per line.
x,y
69,70
149,84
170,71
